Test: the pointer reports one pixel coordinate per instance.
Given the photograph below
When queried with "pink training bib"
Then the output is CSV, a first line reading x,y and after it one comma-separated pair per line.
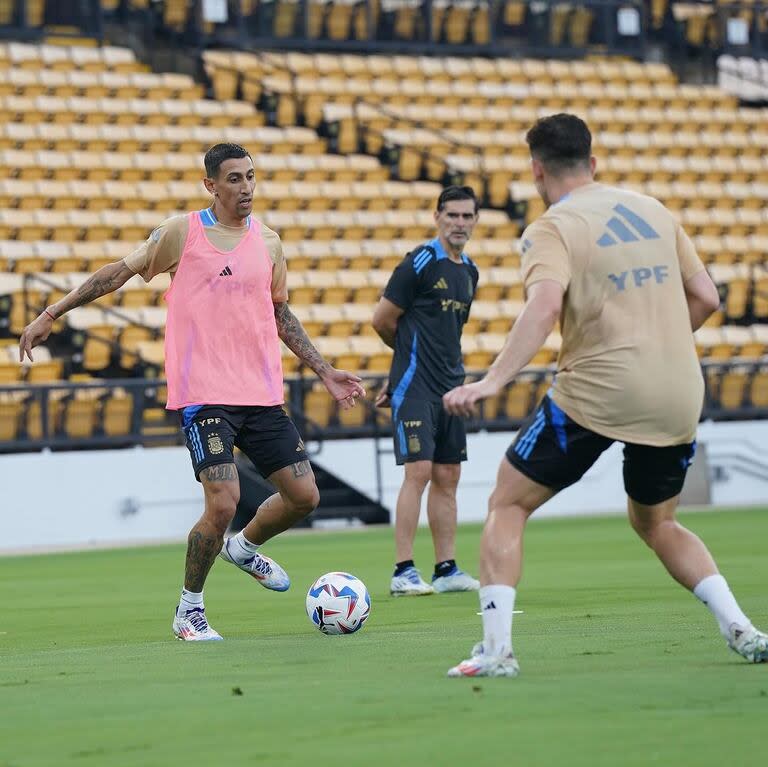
x,y
221,342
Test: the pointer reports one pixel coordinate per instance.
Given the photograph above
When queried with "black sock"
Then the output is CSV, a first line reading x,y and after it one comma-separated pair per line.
x,y
443,568
401,567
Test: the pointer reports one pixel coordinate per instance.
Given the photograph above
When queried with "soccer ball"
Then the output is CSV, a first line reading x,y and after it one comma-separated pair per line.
x,y
338,603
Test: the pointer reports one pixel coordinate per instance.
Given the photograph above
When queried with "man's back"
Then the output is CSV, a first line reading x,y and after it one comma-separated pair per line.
x,y
628,367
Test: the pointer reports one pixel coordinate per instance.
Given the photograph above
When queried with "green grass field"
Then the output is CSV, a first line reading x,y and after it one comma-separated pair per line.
x,y
619,665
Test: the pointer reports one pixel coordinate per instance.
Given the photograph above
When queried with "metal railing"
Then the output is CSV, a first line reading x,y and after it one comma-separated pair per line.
x,y
41,410
482,27
21,19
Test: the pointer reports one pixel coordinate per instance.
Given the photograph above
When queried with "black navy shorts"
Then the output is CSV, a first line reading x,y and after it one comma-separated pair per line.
x,y
265,434
556,452
423,431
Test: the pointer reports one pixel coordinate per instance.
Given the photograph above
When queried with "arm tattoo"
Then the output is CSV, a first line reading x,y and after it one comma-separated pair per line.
x,y
94,287
301,468
223,472
295,338
201,554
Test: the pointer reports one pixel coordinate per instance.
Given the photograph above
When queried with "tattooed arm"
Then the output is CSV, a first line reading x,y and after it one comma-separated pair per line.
x,y
296,339
344,387
106,280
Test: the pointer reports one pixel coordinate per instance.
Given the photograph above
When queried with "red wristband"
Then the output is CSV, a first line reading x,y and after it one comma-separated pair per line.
x,y
49,314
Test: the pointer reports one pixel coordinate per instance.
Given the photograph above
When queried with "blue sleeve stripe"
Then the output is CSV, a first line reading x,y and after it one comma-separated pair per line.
x,y
207,217
422,263
421,257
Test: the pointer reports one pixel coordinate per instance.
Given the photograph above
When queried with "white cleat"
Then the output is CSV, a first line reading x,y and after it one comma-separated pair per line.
x,y
481,664
455,580
409,583
265,570
192,626
750,643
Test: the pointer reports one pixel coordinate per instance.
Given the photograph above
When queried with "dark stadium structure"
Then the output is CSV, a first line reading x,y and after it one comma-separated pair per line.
x,y
356,113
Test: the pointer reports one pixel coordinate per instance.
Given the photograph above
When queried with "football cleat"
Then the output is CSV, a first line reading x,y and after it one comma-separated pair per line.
x,y
265,570
455,580
409,583
192,626
750,643
481,664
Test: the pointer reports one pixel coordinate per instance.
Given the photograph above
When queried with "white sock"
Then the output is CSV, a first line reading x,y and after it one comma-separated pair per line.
x,y
189,600
714,592
497,603
240,548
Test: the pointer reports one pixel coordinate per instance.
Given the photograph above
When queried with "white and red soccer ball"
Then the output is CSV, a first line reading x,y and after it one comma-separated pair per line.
x,y
338,603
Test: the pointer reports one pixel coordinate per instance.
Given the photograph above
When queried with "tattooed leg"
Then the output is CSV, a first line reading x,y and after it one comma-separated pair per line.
x,y
202,548
297,497
222,492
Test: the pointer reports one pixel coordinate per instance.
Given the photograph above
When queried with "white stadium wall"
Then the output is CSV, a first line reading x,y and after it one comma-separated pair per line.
x,y
111,497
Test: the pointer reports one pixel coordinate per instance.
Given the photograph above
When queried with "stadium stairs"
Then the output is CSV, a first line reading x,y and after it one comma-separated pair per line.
x,y
340,503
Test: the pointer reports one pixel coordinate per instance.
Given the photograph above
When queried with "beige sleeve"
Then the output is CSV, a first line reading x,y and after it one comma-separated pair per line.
x,y
544,255
279,266
161,252
690,263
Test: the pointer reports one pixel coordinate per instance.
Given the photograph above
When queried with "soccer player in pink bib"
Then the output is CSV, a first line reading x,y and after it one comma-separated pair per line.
x,y
227,313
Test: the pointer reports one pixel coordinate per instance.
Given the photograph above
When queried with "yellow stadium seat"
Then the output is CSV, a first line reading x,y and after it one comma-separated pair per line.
x,y
758,390
117,415
10,419
733,385
45,371
97,352
519,400
80,418
319,406
10,371
34,425
130,339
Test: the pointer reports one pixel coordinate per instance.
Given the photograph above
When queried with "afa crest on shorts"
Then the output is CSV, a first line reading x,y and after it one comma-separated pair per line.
x,y
215,445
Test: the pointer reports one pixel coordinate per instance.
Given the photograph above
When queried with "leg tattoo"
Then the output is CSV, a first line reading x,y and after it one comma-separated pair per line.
x,y
224,472
201,554
301,468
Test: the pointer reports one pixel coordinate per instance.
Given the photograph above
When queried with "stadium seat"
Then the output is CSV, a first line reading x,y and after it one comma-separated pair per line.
x,y
733,387
10,419
117,414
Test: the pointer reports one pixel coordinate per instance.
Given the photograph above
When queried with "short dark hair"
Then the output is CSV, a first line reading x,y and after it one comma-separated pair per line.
x,y
451,193
217,154
560,142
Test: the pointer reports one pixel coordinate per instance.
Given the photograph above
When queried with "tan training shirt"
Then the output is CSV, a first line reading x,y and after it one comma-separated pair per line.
x,y
628,367
162,250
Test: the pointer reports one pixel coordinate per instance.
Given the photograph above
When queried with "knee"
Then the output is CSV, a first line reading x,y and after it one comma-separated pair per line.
x,y
649,529
418,474
305,500
445,476
221,501
502,505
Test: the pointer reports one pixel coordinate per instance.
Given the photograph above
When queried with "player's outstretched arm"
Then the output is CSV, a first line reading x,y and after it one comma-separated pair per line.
x,y
535,323
344,387
106,280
